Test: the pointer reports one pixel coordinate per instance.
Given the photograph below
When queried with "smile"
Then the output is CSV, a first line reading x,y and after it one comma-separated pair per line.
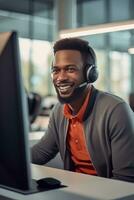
x,y
64,88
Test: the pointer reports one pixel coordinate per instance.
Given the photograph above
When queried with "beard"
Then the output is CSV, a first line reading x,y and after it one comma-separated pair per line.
x,y
78,91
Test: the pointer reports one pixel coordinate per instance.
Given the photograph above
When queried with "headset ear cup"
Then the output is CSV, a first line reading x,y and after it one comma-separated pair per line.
x,y
92,73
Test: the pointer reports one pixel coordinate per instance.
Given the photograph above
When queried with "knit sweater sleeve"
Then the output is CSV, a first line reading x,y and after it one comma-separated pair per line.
x,y
46,148
121,132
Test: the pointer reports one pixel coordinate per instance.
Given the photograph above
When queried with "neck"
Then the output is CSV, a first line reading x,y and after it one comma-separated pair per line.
x,y
76,105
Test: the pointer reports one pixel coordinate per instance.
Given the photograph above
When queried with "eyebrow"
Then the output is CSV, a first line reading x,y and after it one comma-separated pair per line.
x,y
54,66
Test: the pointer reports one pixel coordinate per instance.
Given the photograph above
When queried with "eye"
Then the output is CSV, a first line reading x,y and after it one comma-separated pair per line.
x,y
71,69
54,70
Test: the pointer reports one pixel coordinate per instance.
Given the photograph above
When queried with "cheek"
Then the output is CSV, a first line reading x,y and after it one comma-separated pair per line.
x,y
82,77
76,78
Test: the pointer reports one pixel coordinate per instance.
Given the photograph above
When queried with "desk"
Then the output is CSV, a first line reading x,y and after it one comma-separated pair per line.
x,y
37,135
80,187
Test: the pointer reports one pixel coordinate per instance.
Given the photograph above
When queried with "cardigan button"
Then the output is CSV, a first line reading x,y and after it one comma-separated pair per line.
x,y
76,141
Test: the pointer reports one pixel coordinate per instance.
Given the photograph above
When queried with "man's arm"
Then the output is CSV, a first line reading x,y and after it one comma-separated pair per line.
x,y
122,142
46,148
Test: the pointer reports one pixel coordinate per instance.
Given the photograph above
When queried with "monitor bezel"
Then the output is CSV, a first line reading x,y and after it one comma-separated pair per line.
x,y
11,42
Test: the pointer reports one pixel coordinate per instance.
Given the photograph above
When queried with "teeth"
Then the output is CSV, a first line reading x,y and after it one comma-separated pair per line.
x,y
64,88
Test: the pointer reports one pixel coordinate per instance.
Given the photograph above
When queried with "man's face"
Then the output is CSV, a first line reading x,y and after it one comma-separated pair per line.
x,y
67,72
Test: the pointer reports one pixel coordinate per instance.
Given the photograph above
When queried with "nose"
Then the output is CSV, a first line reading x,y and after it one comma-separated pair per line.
x,y
62,75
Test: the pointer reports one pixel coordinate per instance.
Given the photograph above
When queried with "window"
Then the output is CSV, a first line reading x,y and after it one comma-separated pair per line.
x,y
120,74
36,58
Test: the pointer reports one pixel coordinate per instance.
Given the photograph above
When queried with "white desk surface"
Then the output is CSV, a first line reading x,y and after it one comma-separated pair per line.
x,y
80,187
37,135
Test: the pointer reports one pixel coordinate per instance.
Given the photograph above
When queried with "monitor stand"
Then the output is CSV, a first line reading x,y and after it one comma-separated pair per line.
x,y
36,187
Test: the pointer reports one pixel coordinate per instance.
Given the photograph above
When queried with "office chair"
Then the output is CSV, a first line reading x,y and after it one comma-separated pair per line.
x,y
131,100
34,105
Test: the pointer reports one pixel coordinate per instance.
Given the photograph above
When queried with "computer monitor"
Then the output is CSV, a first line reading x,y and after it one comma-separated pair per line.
x,y
15,173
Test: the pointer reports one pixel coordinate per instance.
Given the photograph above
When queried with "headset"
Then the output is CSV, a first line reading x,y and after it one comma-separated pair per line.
x,y
91,73
91,69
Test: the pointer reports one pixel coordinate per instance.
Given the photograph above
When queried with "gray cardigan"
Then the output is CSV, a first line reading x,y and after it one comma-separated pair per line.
x,y
109,131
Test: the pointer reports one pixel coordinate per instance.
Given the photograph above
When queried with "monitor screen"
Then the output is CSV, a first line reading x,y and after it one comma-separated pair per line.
x,y
14,123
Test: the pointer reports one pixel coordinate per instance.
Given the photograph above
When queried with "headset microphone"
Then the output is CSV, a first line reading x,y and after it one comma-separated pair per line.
x,y
82,85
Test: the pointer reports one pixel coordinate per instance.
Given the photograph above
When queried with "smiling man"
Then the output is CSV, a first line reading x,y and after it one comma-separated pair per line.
x,y
92,130
67,71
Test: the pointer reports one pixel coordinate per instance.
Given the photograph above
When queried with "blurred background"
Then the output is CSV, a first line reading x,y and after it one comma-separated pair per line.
x,y
108,25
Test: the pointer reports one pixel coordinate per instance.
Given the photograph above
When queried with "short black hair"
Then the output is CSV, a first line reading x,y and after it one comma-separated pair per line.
x,y
81,45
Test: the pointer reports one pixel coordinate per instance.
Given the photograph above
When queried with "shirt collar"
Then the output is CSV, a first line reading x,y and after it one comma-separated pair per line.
x,y
68,112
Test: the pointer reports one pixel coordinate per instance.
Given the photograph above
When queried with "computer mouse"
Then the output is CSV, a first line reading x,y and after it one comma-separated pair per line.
x,y
48,182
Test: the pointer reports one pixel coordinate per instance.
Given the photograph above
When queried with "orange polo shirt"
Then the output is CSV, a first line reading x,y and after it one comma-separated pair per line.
x,y
76,140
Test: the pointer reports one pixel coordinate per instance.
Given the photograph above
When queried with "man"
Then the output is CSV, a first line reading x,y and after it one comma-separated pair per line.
x,y
92,130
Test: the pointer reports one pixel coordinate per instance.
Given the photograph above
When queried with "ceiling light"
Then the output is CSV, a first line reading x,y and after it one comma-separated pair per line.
x,y
131,50
97,29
